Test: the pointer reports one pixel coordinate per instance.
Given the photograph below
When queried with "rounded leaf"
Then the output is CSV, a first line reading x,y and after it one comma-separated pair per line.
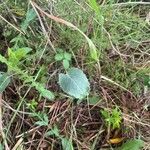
x,y
59,56
67,56
66,63
75,83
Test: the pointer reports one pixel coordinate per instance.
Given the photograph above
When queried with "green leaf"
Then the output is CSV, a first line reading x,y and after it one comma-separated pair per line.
x,y
41,123
147,80
59,57
29,17
15,39
93,51
22,52
32,104
74,83
67,56
94,100
28,79
17,55
53,131
12,57
116,118
94,6
105,114
1,146
67,144
135,144
66,63
44,92
59,50
4,81
43,119
112,118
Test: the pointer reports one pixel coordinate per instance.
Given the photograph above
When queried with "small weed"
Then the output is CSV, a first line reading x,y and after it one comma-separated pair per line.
x,y
13,66
32,105
64,57
15,56
113,118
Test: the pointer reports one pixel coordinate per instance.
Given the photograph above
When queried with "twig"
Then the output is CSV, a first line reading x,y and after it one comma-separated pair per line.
x,y
1,125
9,107
17,144
113,47
43,28
28,132
115,83
11,25
132,3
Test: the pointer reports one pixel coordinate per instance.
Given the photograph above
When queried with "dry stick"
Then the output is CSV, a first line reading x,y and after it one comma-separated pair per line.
x,y
1,125
132,3
9,107
19,142
111,43
113,82
43,28
27,132
53,17
11,25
